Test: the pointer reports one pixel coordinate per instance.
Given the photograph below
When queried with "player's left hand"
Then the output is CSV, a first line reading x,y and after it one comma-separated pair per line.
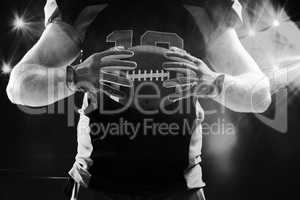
x,y
196,78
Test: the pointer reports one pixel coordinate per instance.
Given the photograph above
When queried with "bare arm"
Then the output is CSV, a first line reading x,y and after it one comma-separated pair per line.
x,y
39,78
246,88
236,83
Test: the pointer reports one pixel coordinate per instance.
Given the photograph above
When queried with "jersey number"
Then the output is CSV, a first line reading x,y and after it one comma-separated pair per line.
x,y
154,38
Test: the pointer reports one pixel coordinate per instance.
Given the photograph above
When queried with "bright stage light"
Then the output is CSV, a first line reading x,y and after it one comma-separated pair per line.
x,y
251,33
276,23
26,26
6,68
19,23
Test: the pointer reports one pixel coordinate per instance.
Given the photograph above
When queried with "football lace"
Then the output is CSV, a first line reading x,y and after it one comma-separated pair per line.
x,y
143,75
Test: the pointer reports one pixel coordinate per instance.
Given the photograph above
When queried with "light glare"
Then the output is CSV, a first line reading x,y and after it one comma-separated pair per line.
x,y
20,23
276,23
6,68
251,33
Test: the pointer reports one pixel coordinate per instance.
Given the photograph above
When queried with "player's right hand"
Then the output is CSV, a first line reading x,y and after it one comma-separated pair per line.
x,y
102,71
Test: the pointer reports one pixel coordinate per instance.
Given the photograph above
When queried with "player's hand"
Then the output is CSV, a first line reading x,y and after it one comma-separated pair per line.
x,y
105,70
196,79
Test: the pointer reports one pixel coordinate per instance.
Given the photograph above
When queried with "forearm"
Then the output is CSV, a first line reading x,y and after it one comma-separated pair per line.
x,y
34,85
246,93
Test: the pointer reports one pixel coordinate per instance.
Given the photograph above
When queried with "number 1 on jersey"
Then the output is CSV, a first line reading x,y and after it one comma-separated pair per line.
x,y
153,38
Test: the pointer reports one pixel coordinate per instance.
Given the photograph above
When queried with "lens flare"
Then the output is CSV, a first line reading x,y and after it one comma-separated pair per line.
x,y
276,23
6,68
27,26
251,33
20,23
276,45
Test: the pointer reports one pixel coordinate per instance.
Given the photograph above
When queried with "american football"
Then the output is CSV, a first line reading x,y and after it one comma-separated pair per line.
x,y
148,92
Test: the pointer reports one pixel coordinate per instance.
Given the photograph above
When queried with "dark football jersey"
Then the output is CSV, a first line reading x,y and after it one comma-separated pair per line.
x,y
129,149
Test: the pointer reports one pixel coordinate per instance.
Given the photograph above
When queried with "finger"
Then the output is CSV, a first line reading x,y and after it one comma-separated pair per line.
x,y
118,65
176,58
113,54
182,65
183,57
122,54
170,67
180,82
176,49
111,91
117,79
117,48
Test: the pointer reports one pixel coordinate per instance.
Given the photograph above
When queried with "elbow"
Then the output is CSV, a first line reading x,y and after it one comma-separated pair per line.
x,y
19,86
13,89
261,99
263,105
11,94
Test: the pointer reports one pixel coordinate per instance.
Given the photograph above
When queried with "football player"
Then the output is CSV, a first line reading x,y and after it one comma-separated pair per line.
x,y
202,43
